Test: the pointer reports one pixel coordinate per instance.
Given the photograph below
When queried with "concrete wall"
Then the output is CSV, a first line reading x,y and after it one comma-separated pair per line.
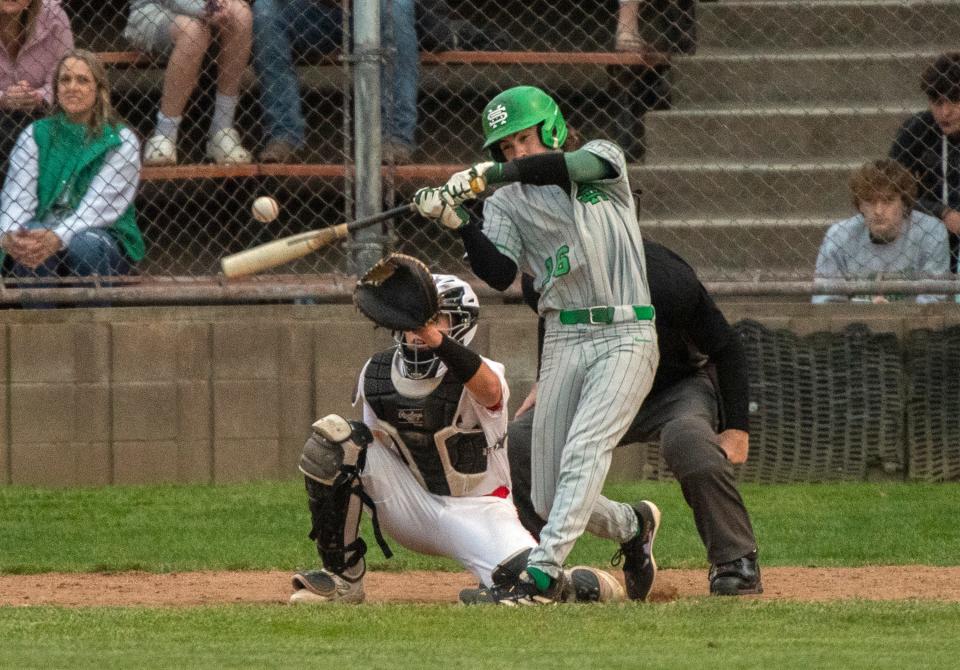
x,y
217,394
226,394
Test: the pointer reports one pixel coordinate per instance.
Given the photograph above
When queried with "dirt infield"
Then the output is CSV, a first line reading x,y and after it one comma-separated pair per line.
x,y
206,588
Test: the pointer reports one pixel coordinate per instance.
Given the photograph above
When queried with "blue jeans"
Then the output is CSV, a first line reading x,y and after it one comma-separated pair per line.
x,y
282,27
92,252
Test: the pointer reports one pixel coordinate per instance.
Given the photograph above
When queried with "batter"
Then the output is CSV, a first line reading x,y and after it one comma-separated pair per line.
x,y
566,216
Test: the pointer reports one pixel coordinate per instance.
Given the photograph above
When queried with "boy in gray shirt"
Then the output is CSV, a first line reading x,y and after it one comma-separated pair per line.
x,y
887,239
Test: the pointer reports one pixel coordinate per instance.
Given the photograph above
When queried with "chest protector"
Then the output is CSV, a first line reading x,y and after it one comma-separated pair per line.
x,y
447,459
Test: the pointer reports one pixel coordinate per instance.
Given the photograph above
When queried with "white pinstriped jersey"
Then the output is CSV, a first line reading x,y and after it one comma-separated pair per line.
x,y
582,249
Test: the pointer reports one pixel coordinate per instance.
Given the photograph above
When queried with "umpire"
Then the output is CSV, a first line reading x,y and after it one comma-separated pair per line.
x,y
697,407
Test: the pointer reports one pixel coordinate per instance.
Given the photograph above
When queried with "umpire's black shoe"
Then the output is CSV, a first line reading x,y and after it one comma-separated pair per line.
x,y
736,578
639,566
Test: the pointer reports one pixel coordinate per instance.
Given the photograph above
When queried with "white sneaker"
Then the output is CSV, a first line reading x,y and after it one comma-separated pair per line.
x,y
320,586
630,41
159,150
224,148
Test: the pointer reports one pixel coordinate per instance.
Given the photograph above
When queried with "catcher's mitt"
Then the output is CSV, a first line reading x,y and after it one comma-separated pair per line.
x,y
397,293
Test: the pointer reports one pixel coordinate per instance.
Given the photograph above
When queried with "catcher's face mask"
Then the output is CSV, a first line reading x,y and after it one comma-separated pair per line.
x,y
459,311
417,359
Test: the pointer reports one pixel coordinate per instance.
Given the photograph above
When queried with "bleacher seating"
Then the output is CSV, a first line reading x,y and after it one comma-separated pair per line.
x,y
746,166
318,73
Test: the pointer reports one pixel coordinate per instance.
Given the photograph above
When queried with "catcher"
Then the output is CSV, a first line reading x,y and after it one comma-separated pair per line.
x,y
429,457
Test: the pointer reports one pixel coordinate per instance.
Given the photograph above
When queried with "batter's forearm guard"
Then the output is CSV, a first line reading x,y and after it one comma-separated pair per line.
x,y
544,169
486,261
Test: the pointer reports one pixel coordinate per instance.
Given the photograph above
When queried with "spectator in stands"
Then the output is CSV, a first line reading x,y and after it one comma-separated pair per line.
x,y
676,27
888,239
67,202
183,30
34,35
303,26
928,144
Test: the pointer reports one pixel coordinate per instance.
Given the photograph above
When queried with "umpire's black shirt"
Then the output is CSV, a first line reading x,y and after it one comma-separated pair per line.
x,y
692,332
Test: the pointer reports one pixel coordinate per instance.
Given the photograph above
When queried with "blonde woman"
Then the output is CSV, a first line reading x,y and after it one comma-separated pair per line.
x,y
183,30
67,202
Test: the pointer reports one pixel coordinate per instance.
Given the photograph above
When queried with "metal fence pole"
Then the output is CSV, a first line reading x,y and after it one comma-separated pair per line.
x,y
366,247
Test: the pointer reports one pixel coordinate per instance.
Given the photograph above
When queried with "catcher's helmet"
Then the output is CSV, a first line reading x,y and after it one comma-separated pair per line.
x,y
459,302
519,108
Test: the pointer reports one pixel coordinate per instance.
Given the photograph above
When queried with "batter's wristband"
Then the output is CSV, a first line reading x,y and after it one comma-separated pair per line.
x,y
494,174
460,361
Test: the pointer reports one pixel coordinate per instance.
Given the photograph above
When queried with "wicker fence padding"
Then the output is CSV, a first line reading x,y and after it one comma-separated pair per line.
x,y
824,407
833,406
933,404
653,466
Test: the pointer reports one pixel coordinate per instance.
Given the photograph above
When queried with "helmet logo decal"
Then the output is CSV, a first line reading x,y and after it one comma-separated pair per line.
x,y
497,116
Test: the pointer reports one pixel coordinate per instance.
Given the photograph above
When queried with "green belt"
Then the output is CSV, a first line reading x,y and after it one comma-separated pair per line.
x,y
595,315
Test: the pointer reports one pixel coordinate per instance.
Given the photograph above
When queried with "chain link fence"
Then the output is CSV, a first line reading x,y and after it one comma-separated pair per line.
x,y
742,120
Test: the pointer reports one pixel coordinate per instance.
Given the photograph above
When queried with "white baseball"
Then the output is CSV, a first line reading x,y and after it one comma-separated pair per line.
x,y
265,209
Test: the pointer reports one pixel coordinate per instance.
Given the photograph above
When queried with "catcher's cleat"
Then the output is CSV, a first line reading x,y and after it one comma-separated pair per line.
x,y
736,578
475,596
639,566
518,593
581,584
320,586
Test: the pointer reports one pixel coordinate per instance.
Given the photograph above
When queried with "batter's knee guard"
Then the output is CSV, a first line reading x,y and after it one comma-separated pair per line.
x,y
332,460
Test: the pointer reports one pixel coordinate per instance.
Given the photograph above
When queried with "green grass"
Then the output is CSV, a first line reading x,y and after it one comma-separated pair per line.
x,y
264,526
700,633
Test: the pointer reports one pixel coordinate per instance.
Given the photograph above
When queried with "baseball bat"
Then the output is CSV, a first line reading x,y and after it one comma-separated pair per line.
x,y
286,249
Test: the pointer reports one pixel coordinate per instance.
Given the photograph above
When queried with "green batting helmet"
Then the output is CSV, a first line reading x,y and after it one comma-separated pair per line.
x,y
519,108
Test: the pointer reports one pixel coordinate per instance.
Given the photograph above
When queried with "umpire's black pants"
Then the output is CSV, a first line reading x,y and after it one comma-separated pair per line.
x,y
683,417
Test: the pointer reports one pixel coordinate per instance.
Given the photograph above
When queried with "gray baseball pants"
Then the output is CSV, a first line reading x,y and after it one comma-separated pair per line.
x,y
593,380
682,418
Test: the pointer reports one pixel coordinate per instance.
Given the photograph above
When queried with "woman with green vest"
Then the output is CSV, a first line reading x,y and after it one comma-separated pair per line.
x,y
67,202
